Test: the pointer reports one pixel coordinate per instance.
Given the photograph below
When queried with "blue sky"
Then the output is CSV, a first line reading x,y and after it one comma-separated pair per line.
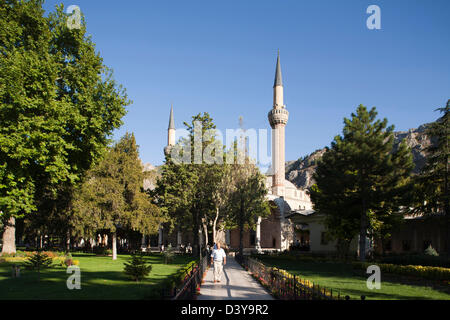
x,y
219,57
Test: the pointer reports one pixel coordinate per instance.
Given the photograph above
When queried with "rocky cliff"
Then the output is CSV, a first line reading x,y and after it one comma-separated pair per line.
x,y
300,172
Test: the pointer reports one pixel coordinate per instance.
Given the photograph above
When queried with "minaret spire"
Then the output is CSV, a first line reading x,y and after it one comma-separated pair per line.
x,y
278,79
171,122
170,133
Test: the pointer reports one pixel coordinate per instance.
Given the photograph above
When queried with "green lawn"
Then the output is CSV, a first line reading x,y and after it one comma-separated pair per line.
x,y
101,278
341,277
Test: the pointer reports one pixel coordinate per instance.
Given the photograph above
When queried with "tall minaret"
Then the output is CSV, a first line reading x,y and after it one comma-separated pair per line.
x,y
170,133
278,118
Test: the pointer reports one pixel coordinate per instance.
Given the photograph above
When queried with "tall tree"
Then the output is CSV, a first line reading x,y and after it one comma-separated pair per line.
x,y
332,196
362,181
58,105
247,193
433,182
186,188
112,195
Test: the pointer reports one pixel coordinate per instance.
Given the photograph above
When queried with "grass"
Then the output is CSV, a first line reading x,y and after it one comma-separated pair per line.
x,y
101,278
341,277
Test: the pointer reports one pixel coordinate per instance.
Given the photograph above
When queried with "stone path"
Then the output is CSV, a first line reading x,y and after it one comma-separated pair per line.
x,y
236,284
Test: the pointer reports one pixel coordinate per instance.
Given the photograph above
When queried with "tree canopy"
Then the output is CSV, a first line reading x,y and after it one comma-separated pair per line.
x,y
112,195
432,189
362,183
58,106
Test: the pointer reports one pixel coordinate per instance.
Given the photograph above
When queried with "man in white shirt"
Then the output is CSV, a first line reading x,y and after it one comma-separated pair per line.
x,y
219,258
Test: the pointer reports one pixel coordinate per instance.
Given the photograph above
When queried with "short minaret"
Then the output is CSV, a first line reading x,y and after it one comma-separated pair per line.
x,y
170,133
278,118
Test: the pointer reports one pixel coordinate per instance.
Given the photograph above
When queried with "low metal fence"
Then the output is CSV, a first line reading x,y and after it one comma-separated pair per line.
x,y
187,290
286,286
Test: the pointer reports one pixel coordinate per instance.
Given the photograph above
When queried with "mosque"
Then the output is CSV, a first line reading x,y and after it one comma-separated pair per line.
x,y
276,232
293,222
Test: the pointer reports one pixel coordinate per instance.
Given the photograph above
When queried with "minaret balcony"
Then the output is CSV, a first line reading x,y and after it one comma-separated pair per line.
x,y
278,116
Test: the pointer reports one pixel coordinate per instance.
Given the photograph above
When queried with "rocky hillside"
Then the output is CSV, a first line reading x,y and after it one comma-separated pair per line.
x,y
154,172
300,171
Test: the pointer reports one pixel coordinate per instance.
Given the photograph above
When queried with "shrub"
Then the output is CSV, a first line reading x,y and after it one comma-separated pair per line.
x,y
430,251
68,262
168,255
136,268
7,255
184,273
416,259
20,254
99,250
38,261
432,273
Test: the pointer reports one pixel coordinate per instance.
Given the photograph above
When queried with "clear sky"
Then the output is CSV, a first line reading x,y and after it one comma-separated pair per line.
x,y
219,57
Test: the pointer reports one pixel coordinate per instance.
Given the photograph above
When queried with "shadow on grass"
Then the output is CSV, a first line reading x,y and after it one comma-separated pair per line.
x,y
94,285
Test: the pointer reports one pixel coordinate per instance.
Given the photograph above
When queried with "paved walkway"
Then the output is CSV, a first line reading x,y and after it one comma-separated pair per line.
x,y
236,284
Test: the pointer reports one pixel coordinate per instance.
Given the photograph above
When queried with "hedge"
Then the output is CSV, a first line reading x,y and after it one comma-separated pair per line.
x,y
432,273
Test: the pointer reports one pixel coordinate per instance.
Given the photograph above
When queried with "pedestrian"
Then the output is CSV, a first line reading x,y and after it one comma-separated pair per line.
x,y
219,258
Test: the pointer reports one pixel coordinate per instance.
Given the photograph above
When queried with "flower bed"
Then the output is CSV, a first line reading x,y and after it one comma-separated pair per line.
x,y
58,258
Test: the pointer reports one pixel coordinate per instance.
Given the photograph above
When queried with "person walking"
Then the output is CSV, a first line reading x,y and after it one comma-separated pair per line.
x,y
219,258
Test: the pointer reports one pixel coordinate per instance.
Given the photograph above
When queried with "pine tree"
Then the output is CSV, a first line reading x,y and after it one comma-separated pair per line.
x,y
433,182
168,254
362,182
38,262
136,268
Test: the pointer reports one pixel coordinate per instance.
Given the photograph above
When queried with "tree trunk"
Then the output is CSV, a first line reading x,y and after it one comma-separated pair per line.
x,y
241,230
241,239
447,214
215,226
196,235
343,246
447,206
446,191
9,236
205,229
68,241
362,236
114,245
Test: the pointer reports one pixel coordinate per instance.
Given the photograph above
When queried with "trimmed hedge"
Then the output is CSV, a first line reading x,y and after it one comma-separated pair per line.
x,y
295,257
432,273
416,259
